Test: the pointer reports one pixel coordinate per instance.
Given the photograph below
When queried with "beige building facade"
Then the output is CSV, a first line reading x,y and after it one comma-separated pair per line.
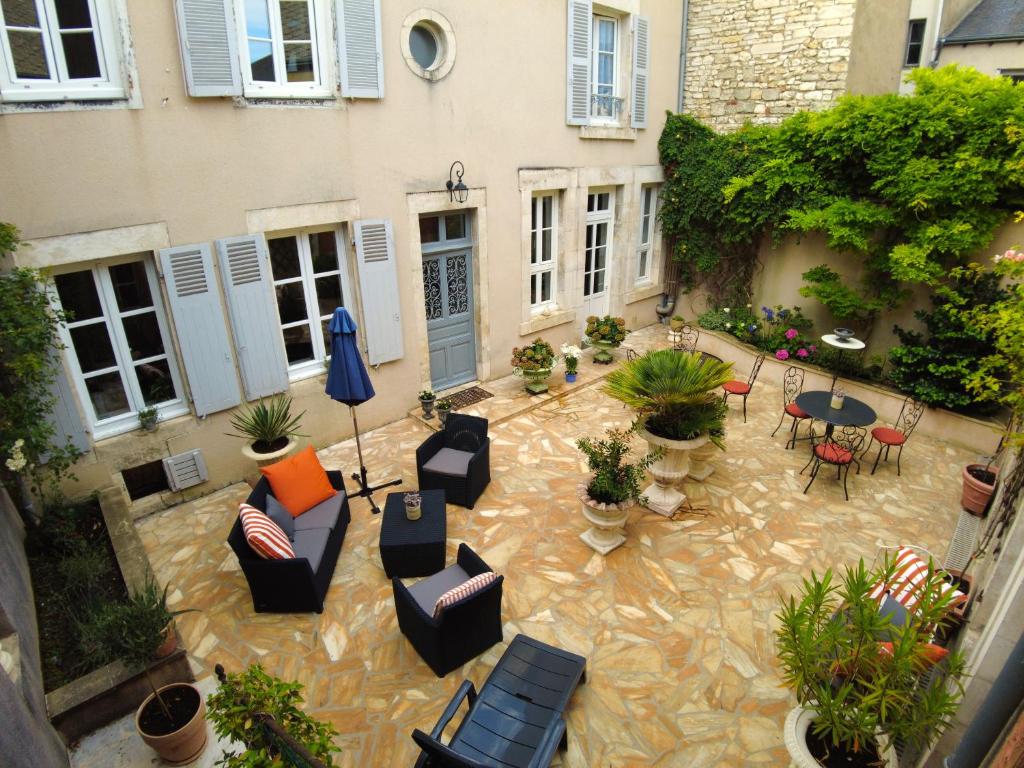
x,y
207,179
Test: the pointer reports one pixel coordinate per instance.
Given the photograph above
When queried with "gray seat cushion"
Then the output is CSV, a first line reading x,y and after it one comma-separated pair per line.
x,y
281,516
311,544
426,591
323,515
449,461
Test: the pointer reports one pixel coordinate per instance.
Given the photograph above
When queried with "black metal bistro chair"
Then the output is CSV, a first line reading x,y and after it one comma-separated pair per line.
x,y
792,385
897,434
838,449
456,460
740,388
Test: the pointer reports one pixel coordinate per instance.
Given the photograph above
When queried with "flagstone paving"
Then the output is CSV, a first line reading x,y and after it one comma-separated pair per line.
x,y
676,624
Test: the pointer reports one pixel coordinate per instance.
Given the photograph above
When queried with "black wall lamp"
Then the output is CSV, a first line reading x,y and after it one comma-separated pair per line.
x,y
457,191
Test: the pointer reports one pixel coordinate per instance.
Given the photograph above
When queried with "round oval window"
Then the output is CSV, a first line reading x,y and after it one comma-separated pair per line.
x,y
423,45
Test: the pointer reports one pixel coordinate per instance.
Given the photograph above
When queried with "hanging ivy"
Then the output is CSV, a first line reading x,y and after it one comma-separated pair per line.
x,y
904,187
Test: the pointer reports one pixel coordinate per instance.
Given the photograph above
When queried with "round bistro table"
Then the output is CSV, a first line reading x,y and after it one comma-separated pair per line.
x,y
854,412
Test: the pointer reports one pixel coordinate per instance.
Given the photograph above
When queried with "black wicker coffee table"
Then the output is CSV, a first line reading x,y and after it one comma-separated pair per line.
x,y
413,547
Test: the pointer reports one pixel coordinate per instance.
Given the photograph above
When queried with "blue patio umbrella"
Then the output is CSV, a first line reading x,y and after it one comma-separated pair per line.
x,y
349,383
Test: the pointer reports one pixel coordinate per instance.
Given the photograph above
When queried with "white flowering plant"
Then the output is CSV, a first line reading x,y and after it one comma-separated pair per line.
x,y
571,357
16,460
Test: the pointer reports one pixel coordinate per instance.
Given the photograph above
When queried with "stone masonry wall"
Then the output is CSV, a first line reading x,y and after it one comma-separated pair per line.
x,y
762,60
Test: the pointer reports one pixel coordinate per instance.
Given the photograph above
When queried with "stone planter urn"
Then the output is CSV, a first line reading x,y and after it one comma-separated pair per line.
x,y
604,351
606,520
536,380
794,733
669,470
266,459
700,461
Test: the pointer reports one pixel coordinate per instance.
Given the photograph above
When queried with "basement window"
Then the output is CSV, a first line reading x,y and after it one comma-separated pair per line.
x,y
145,480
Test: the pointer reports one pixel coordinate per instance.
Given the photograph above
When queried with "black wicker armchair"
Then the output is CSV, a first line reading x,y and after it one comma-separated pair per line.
x,y
293,585
464,629
456,460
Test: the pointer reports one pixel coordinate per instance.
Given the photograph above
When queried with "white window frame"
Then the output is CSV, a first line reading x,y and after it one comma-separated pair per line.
x,y
538,268
616,117
906,48
321,355
645,248
123,363
321,86
110,83
593,219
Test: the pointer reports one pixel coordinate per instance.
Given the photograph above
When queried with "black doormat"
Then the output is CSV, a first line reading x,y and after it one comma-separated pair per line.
x,y
468,397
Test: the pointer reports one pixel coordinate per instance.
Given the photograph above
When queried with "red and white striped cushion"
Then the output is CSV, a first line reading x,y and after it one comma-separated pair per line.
x,y
264,535
465,589
907,579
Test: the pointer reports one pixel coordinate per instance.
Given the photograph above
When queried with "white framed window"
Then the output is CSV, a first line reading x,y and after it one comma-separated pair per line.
x,y
55,50
310,281
605,99
282,45
543,250
915,42
597,252
648,222
117,338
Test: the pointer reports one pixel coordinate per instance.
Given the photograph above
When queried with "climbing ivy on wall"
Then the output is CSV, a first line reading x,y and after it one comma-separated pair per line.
x,y
906,187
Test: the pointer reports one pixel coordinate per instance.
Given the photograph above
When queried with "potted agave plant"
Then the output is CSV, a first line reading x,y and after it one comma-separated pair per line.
x,y
270,429
676,398
606,333
859,673
534,363
613,489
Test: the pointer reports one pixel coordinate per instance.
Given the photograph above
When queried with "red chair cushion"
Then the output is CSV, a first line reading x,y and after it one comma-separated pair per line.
x,y
833,454
888,435
736,387
795,410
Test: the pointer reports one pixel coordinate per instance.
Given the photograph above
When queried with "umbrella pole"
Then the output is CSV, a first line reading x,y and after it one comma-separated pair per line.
x,y
365,489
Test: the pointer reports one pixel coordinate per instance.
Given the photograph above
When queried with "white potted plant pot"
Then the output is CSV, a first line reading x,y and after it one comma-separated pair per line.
x,y
265,459
700,461
798,723
607,521
668,471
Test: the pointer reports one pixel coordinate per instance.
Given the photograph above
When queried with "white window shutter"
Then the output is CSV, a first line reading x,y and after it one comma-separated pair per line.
x,y
206,33
64,418
577,92
641,68
185,470
199,322
378,282
245,275
359,49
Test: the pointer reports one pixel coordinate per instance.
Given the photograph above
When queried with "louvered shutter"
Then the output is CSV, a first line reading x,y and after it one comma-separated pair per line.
x,y
199,322
641,28
245,275
577,95
206,33
378,282
359,49
64,417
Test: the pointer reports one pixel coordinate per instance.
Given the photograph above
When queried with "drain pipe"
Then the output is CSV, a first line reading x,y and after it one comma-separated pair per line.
x,y
682,57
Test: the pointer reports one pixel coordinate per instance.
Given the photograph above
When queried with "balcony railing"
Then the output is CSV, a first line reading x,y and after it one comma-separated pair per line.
x,y
605,106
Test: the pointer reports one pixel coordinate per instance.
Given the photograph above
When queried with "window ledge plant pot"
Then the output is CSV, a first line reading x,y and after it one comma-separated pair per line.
x,y
798,723
185,744
606,520
264,459
976,493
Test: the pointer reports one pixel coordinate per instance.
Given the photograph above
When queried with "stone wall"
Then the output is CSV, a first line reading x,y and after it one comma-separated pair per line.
x,y
27,740
762,60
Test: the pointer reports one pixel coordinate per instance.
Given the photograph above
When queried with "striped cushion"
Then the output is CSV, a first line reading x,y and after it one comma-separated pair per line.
x,y
264,535
907,579
465,589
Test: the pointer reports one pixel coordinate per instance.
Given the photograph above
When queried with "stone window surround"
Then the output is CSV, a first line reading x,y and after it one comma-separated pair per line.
x,y
624,11
440,202
443,33
128,76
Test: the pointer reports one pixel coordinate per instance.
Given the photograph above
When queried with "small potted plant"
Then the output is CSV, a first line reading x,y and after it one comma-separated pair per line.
x,y
858,674
613,489
427,403
444,407
571,356
270,429
147,418
534,363
606,333
979,483
262,713
676,323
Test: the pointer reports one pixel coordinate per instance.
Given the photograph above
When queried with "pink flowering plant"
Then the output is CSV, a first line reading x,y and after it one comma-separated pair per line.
x,y
784,334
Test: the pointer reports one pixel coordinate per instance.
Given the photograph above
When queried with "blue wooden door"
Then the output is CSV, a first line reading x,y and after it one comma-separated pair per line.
x,y
448,294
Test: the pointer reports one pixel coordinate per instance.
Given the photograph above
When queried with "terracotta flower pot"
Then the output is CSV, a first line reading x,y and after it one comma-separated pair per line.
x,y
169,645
183,745
976,493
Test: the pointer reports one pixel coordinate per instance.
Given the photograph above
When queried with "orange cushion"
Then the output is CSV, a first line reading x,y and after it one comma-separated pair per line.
x,y
795,410
299,482
833,454
888,435
736,387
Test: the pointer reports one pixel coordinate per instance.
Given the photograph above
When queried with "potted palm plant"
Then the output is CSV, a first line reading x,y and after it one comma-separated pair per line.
x,y
606,333
270,429
676,398
613,489
860,673
534,363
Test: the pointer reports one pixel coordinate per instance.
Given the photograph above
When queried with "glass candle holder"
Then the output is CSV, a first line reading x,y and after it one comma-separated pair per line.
x,y
413,506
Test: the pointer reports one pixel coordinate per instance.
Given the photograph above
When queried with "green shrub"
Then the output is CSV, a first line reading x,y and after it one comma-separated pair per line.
x,y
615,480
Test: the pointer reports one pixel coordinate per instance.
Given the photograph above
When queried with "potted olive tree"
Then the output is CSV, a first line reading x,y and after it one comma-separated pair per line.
x,y
270,429
860,672
613,488
676,398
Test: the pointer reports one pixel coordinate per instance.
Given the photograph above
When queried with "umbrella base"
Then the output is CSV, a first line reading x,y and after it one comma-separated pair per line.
x,y
365,489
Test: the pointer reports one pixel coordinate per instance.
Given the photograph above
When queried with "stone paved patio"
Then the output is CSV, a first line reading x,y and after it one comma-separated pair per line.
x,y
676,624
